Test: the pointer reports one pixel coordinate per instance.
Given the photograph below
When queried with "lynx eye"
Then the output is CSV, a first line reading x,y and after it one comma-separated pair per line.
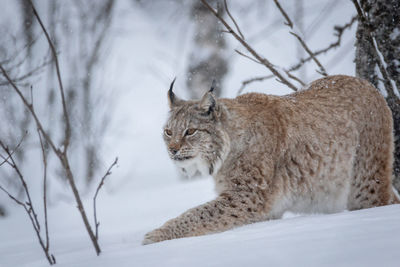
x,y
190,132
168,132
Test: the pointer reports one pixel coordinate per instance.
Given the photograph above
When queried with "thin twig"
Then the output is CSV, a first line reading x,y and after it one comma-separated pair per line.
x,y
61,154
5,159
297,79
338,32
12,163
96,223
44,158
27,205
255,79
246,56
11,196
28,74
263,60
61,87
32,111
233,20
288,21
18,51
303,44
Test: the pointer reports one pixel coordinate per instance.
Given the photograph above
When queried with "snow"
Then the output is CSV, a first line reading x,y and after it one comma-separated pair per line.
x,y
144,191
360,238
394,34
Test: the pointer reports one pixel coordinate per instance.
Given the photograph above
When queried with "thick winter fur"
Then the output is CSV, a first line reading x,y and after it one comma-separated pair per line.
x,y
324,149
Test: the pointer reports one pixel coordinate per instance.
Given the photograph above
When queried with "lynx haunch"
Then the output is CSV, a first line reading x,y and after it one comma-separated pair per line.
x,y
324,149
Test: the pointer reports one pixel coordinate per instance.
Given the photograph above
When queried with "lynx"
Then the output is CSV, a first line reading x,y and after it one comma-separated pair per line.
x,y
324,149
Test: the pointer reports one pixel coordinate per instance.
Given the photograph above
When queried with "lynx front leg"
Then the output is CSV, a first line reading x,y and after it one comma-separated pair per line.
x,y
228,210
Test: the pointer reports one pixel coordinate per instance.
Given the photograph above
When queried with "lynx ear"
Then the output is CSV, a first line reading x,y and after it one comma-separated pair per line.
x,y
208,102
173,100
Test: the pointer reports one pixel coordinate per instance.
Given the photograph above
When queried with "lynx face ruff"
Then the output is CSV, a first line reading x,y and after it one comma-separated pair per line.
x,y
324,149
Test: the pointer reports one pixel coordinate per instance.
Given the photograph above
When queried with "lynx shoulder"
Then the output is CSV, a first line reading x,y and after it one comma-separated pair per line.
x,y
324,149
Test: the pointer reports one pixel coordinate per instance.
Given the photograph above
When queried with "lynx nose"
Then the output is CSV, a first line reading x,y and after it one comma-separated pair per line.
x,y
174,148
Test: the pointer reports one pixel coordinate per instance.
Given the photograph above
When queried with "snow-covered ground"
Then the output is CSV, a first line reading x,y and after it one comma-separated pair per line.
x,y
361,238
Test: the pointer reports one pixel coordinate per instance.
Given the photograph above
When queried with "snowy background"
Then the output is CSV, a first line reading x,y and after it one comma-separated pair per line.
x,y
148,46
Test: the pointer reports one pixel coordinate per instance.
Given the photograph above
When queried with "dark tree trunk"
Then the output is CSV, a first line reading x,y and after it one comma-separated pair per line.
x,y
28,29
383,17
2,211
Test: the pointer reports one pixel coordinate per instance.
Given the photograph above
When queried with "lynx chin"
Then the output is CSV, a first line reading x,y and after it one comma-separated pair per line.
x,y
324,149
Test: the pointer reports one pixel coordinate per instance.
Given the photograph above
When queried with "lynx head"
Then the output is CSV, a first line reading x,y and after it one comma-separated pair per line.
x,y
195,138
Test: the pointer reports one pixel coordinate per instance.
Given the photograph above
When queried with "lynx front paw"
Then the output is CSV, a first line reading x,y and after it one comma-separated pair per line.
x,y
155,236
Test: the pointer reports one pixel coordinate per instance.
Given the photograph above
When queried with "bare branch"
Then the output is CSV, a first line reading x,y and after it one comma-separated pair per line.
x,y
44,159
288,21
28,74
233,20
96,223
12,197
5,159
294,78
263,60
339,32
32,111
303,44
255,79
246,56
62,155
61,87
27,205
12,163
18,51
323,71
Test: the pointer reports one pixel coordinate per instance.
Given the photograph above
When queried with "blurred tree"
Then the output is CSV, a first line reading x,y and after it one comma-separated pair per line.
x,y
378,39
85,23
28,30
79,30
207,60
2,211
95,20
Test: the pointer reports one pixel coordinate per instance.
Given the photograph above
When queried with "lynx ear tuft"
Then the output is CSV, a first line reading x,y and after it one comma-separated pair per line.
x,y
173,100
212,86
208,102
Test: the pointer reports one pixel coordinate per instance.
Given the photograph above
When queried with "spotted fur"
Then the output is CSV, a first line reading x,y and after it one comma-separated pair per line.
x,y
324,149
